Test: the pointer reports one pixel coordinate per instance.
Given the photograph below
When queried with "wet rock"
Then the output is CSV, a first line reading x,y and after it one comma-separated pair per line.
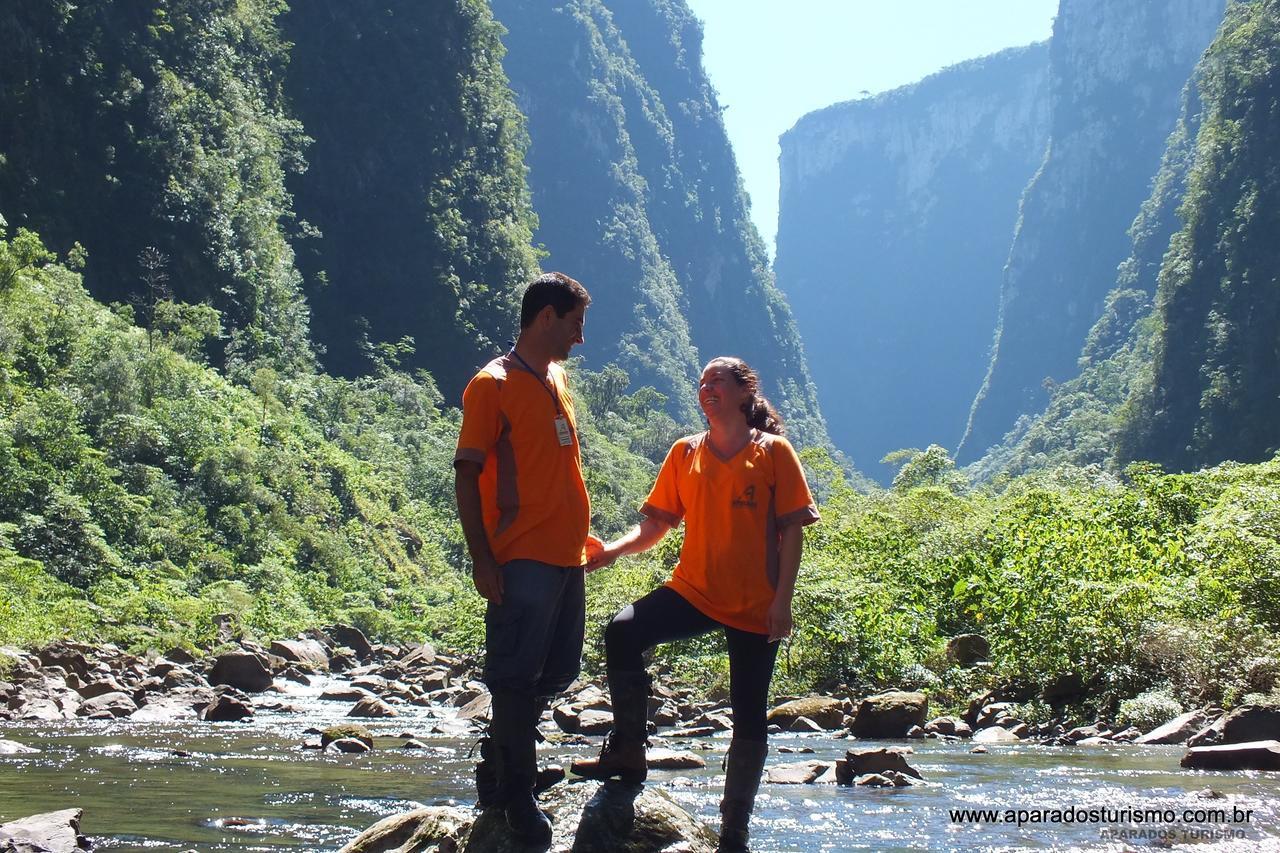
x,y
242,670
430,829
948,726
93,689
822,710
179,705
797,772
51,832
478,708
861,762
1080,733
979,750
592,722
108,705
994,734
352,638
890,714
422,656
307,652
719,719
1245,724
915,733
69,656
670,759
413,743
967,649
10,747
692,731
348,745
42,710
345,693
349,730
226,709
1177,730
180,656
802,750
372,707
1257,755
888,779
1129,735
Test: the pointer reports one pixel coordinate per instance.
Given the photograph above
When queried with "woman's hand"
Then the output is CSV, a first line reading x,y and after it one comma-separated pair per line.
x,y
778,619
603,556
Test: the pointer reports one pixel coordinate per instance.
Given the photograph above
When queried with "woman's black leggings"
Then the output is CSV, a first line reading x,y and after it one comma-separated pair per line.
x,y
664,615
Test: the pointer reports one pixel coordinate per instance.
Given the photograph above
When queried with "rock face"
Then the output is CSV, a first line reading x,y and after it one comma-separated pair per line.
x,y
638,195
890,714
52,832
586,818
902,206
1117,68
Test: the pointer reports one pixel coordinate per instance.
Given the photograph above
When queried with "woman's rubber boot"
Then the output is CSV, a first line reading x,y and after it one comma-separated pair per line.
x,y
622,756
514,733
743,766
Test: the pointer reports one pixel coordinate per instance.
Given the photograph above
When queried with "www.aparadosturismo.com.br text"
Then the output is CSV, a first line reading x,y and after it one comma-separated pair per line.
x,y
1104,815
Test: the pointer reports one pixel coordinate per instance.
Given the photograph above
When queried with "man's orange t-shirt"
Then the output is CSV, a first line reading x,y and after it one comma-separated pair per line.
x,y
535,503
734,510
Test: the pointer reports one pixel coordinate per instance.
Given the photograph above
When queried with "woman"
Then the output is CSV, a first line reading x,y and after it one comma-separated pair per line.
x,y
742,494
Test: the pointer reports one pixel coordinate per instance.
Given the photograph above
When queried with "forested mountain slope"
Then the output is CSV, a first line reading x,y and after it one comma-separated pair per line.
x,y
638,194
1182,366
132,125
415,181
894,226
1116,70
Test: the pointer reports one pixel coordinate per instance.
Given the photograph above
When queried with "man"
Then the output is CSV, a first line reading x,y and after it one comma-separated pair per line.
x,y
525,514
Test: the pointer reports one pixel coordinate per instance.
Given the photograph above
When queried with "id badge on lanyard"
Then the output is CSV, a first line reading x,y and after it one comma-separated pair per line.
x,y
563,433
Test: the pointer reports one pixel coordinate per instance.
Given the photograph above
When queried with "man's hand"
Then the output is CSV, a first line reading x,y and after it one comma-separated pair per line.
x,y
488,579
603,557
778,619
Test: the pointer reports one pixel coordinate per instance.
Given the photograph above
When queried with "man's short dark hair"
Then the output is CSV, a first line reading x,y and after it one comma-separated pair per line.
x,y
555,289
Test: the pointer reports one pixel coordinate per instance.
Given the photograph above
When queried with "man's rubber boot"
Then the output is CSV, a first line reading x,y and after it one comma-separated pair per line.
x,y
514,731
488,773
622,755
743,765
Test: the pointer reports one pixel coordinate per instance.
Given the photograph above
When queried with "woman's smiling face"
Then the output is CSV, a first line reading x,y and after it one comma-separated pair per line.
x,y
720,393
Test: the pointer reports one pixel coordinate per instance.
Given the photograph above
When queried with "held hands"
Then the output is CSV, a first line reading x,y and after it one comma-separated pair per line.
x,y
778,620
488,579
603,556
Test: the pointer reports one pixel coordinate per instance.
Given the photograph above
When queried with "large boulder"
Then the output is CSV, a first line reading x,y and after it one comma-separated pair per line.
x,y
372,707
348,731
69,656
308,652
1245,724
968,649
890,714
51,832
1176,730
12,747
108,704
995,734
860,762
1258,755
351,637
586,818
823,710
242,670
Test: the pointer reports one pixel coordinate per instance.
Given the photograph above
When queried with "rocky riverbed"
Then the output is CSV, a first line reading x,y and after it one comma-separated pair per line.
x,y
228,752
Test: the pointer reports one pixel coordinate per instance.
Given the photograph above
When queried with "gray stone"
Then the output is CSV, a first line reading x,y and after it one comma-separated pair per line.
x,y
994,734
479,708
348,731
11,747
860,762
242,670
226,709
797,772
345,693
1257,755
51,832
114,704
372,707
307,652
1245,724
351,637
671,759
347,745
435,828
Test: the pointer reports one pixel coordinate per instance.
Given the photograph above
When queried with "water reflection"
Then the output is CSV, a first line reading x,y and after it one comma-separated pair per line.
x,y
251,786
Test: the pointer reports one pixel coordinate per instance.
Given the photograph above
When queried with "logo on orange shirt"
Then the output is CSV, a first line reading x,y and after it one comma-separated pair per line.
x,y
747,499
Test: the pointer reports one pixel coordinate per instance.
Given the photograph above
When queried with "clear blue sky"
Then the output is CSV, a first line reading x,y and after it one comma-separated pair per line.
x,y
772,61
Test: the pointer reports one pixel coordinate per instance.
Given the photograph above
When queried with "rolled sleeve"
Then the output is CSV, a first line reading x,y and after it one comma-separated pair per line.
x,y
480,420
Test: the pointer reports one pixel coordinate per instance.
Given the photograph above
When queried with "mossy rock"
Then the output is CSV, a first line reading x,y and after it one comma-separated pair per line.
x,y
333,733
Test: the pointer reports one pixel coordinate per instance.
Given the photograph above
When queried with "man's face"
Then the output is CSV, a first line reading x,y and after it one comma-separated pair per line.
x,y
565,332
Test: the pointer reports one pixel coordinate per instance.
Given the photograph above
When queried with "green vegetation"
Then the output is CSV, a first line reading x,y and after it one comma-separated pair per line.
x,y
142,494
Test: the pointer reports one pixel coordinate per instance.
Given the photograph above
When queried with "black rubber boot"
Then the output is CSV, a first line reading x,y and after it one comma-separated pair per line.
x,y
489,774
514,732
743,765
622,755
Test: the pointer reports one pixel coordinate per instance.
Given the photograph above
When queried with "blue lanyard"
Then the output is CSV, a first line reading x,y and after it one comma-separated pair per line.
x,y
555,398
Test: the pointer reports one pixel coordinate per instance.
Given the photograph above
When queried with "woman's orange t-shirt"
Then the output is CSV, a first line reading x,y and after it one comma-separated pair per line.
x,y
734,510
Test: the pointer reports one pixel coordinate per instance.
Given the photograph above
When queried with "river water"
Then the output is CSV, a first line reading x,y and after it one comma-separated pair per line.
x,y
250,786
